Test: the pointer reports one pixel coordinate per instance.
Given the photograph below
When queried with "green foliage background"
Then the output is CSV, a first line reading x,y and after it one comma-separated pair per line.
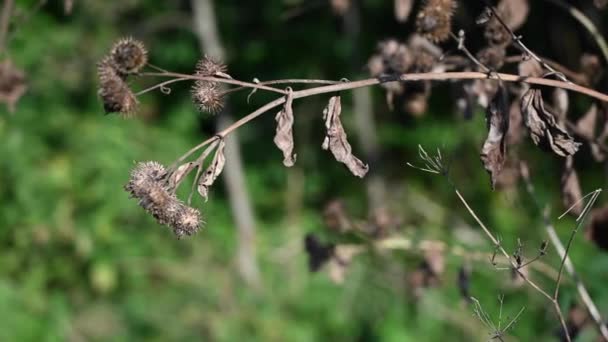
x,y
80,261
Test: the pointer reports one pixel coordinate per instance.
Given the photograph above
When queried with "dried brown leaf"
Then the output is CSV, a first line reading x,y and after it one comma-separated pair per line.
x,y
543,126
213,171
336,139
284,134
403,8
178,175
572,194
586,126
493,152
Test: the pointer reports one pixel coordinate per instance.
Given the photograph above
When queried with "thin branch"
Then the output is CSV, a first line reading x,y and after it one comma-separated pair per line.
x,y
561,251
523,47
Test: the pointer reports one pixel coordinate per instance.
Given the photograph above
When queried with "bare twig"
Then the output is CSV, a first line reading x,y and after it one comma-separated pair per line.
x,y
523,47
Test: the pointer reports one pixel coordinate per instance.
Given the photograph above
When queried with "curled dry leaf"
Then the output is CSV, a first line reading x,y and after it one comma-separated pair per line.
x,y
12,84
493,152
403,8
571,188
335,139
561,103
178,175
284,134
543,126
213,171
530,68
516,128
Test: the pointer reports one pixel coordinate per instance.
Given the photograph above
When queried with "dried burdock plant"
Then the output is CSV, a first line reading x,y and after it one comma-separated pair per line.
x,y
405,70
12,84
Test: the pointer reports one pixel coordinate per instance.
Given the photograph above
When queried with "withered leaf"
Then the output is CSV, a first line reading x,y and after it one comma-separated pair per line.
x,y
178,176
493,152
403,8
12,84
336,139
284,134
213,171
543,126
530,68
571,188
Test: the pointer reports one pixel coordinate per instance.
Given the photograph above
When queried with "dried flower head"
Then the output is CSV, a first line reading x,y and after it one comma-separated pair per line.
x,y
129,56
434,21
208,97
116,95
148,184
210,67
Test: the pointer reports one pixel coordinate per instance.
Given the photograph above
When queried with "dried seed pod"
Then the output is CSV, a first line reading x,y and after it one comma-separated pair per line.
x,y
543,126
115,94
213,171
208,67
284,133
434,21
208,97
178,175
336,139
149,186
129,56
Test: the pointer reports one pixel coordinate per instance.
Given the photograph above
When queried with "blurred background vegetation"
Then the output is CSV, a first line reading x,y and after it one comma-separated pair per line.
x,y
80,261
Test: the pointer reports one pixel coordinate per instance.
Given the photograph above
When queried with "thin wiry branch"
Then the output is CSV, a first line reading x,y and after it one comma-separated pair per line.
x,y
561,251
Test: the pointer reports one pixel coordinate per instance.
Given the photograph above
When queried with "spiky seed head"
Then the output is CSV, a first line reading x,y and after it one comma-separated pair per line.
x,y
188,222
208,67
115,94
496,34
434,21
208,97
129,56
